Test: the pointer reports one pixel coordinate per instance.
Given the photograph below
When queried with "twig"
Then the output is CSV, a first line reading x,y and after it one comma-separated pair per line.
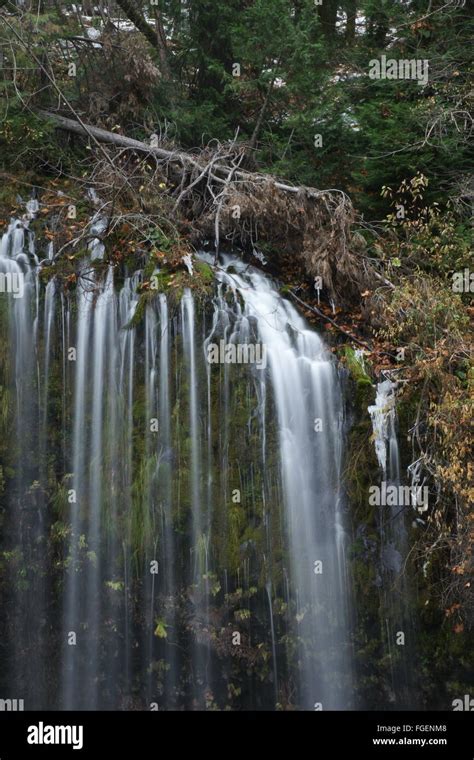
x,y
328,319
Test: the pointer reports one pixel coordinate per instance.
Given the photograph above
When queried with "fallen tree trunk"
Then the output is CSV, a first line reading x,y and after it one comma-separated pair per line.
x,y
111,138
253,210
222,172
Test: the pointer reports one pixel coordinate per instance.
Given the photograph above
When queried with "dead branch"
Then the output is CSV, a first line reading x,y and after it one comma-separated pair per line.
x,y
324,316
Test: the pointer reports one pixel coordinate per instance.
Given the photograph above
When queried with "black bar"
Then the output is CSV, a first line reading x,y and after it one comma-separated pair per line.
x,y
224,734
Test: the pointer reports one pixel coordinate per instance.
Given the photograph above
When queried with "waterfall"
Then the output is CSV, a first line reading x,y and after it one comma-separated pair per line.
x,y
95,306
308,406
26,521
396,592
178,508
199,541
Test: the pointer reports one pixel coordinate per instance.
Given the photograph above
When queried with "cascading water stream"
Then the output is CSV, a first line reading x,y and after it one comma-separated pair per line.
x,y
25,524
394,547
309,408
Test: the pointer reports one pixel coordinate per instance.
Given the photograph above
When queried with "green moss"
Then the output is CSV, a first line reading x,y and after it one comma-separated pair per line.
x,y
358,373
204,270
361,464
146,298
161,281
